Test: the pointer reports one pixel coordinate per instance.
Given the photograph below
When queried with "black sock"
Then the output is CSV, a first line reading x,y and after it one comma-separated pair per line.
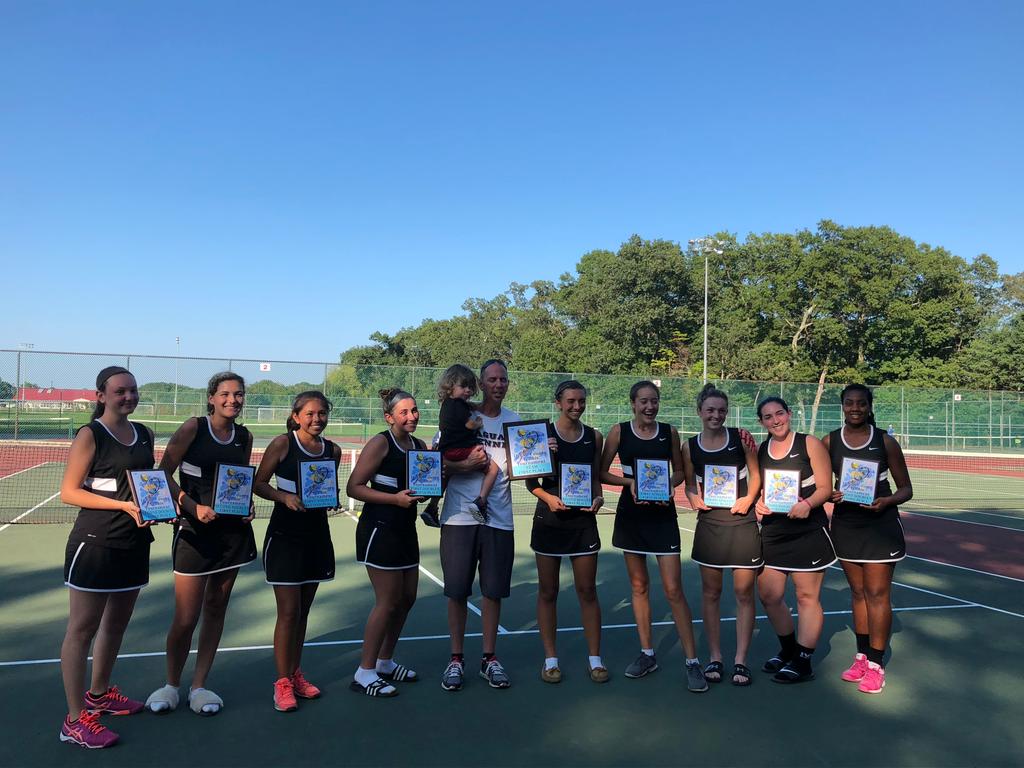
x,y
788,645
875,655
803,658
484,658
459,657
862,643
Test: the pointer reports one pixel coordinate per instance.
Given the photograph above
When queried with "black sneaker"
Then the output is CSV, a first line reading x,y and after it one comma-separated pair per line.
x,y
478,509
451,678
494,674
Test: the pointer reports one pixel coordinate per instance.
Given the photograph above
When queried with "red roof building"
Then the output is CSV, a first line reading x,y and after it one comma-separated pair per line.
x,y
55,395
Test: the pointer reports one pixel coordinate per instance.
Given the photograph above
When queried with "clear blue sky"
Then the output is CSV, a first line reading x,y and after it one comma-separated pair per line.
x,y
310,172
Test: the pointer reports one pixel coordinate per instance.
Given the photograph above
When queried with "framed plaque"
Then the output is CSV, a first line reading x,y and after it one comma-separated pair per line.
x,y
721,484
318,484
781,490
151,494
576,484
423,473
526,448
653,480
232,489
858,480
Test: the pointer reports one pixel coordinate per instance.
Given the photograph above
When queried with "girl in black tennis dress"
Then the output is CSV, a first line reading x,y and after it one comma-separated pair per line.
x,y
207,549
644,528
868,538
297,552
727,538
560,531
106,561
386,542
794,544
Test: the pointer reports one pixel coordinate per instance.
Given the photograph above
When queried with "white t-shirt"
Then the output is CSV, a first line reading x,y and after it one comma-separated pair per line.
x,y
465,486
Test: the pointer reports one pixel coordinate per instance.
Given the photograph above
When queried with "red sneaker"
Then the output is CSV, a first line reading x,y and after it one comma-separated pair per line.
x,y
284,696
874,679
302,687
87,732
857,670
112,703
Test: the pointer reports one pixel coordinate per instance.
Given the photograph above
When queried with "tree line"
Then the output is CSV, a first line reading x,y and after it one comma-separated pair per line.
x,y
834,303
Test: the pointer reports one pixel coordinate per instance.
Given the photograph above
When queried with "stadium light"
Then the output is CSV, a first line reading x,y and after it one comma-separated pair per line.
x,y
702,245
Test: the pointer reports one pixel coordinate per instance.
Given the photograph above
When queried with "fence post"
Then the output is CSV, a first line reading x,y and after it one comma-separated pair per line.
x,y
17,393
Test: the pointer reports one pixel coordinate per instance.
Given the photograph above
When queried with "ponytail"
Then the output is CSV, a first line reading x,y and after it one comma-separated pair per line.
x,y
710,390
391,396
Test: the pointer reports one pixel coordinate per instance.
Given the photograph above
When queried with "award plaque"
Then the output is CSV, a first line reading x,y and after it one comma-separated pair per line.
x,y
653,480
857,481
232,489
721,484
526,448
318,484
781,490
151,494
423,473
576,486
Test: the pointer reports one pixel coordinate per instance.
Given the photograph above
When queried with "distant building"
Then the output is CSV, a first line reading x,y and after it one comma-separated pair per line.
x,y
55,398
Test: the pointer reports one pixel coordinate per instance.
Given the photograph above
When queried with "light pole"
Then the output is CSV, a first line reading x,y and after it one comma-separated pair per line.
x,y
702,246
177,344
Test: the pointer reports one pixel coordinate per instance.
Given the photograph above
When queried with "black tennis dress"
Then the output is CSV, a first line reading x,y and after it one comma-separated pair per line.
x,y
106,550
859,534
386,534
722,539
789,544
226,542
644,529
573,532
298,548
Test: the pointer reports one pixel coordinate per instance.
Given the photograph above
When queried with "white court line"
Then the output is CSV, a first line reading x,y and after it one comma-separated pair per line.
x,y
29,512
433,578
987,490
926,505
967,603
420,638
28,469
965,568
963,522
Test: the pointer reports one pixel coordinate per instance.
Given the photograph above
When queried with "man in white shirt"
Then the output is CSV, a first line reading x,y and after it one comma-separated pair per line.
x,y
467,546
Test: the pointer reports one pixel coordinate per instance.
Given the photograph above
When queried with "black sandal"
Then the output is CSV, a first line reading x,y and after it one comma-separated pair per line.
x,y
775,663
741,670
376,688
789,675
714,668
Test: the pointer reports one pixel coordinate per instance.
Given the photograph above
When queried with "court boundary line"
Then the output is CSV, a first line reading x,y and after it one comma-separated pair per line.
x,y
29,512
511,633
963,522
965,568
29,469
928,505
922,589
501,630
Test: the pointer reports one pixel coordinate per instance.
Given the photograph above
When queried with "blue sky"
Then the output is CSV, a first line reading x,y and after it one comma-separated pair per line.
x,y
277,181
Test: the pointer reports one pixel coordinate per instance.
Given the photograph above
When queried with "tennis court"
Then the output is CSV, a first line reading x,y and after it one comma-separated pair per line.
x,y
952,696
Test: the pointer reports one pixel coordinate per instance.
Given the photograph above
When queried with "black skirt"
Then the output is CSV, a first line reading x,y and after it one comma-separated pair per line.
x,y
199,553
95,568
293,560
388,542
556,541
869,537
726,546
646,532
789,545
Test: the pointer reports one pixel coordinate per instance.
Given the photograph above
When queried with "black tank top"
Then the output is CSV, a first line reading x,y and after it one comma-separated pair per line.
x,y
284,521
631,448
873,450
730,455
108,477
795,460
196,473
579,451
391,478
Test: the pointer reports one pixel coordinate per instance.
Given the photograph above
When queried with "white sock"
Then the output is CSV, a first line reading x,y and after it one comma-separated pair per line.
x,y
386,665
595,662
162,706
551,662
206,707
647,651
693,661
365,676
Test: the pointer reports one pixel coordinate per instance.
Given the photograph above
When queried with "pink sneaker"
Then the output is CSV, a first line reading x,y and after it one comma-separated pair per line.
x,y
303,688
112,703
284,696
87,732
857,670
874,679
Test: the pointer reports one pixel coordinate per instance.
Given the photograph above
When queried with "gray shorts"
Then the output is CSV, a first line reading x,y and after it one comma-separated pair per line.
x,y
468,549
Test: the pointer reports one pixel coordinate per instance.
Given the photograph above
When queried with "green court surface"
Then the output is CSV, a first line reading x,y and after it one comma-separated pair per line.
x,y
952,698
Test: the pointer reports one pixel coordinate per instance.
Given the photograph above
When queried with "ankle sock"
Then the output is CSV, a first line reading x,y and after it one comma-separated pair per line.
x,y
459,657
875,655
386,665
647,651
595,662
365,676
802,660
551,662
